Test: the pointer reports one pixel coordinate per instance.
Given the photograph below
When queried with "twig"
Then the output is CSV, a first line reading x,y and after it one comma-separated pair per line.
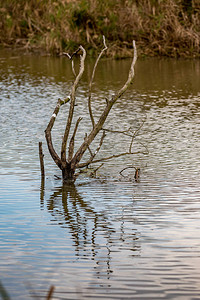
x,y
130,77
96,151
136,133
124,132
92,78
129,167
137,172
100,144
95,171
82,165
71,144
143,145
91,154
74,53
70,57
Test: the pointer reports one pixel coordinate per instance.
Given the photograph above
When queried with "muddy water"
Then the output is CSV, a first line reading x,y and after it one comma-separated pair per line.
x,y
106,237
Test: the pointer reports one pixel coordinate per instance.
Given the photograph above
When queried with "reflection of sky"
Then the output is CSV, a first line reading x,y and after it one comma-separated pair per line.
x,y
34,242
140,236
146,236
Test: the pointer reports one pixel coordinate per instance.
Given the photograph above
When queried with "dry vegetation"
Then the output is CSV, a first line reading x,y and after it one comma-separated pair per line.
x,y
167,28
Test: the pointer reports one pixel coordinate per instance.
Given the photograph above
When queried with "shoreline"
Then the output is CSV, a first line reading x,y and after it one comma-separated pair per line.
x,y
168,28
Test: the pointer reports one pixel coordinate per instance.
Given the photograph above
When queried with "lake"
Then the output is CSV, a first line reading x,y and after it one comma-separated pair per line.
x,y
105,236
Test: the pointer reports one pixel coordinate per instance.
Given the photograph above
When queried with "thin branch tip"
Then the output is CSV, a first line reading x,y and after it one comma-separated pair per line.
x,y
104,42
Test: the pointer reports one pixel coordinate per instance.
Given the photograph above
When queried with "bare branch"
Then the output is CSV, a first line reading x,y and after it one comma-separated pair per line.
x,y
73,69
137,172
124,132
91,154
99,147
96,151
136,133
71,144
73,54
130,77
72,104
143,145
48,136
69,166
93,174
70,57
128,167
92,78
97,127
128,132
100,144
83,165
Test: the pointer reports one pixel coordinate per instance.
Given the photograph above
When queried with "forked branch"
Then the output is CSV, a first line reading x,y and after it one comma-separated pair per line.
x,y
72,104
70,164
98,126
48,136
92,155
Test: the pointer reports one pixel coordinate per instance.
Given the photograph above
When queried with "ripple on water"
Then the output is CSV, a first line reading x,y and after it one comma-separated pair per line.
x,y
105,238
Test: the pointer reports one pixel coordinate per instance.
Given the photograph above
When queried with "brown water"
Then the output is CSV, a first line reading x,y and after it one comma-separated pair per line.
x,y
106,237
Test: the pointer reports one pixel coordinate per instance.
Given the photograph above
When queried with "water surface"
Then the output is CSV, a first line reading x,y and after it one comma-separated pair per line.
x,y
107,237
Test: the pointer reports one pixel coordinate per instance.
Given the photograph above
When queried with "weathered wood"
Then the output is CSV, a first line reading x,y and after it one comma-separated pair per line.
x,y
41,155
72,104
92,78
98,126
68,173
70,164
48,136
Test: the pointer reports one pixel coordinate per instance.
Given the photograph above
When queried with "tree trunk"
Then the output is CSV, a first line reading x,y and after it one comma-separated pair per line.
x,y
67,173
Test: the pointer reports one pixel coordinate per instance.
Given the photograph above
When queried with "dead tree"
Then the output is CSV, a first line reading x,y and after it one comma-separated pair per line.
x,y
69,162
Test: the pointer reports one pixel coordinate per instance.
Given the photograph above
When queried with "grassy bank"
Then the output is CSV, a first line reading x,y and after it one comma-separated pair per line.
x,y
160,27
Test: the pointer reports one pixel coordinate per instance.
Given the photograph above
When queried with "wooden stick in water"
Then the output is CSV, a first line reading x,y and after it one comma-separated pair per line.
x,y
41,155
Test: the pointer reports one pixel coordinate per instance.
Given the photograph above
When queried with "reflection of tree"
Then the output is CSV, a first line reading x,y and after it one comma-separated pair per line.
x,y
92,231
69,209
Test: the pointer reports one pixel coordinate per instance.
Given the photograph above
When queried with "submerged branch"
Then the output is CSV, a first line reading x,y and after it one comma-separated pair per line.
x,y
137,172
